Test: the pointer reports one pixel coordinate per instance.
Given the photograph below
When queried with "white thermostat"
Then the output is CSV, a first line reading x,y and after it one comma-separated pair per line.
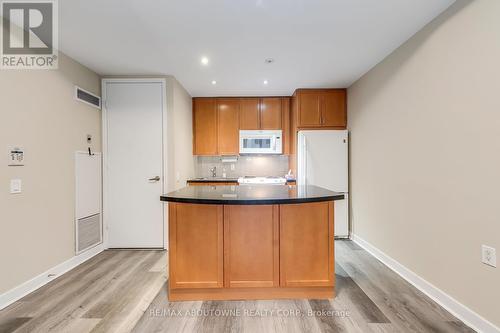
x,y
16,156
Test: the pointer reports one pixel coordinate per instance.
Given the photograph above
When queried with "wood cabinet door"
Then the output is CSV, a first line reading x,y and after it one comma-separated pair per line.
x,y
285,108
228,120
196,246
334,108
204,126
249,114
251,246
306,245
309,108
271,114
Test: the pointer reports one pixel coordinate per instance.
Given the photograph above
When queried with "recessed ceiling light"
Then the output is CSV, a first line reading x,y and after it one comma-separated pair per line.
x,y
266,82
214,82
204,60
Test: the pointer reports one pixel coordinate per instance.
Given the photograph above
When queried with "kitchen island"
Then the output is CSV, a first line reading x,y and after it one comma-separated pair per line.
x,y
251,242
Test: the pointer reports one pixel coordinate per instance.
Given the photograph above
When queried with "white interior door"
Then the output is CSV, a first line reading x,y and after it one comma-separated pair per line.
x,y
134,164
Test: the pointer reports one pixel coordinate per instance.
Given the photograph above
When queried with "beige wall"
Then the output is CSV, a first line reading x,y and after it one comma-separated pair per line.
x,y
39,113
425,154
180,160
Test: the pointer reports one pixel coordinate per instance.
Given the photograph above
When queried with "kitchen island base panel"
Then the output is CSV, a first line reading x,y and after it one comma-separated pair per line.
x,y
251,246
306,245
228,294
196,246
244,251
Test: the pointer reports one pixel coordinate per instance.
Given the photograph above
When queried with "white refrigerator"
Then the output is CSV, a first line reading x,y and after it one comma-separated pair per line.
x,y
323,161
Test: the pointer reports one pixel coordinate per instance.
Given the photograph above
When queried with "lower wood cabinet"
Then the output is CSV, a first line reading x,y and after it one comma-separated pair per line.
x,y
307,245
196,246
251,246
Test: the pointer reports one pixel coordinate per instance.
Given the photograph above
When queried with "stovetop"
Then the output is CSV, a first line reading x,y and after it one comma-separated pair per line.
x,y
262,180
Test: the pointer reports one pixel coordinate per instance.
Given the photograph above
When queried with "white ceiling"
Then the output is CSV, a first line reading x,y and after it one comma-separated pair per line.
x,y
315,43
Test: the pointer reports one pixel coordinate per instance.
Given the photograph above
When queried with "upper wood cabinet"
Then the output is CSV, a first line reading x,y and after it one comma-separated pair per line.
x,y
205,130
217,122
334,108
271,113
261,113
287,138
249,113
309,108
228,119
321,108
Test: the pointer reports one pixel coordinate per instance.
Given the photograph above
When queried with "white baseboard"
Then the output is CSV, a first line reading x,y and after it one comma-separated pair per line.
x,y
469,317
27,287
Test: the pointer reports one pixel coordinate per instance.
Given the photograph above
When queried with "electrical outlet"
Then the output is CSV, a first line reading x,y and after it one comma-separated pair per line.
x,y
489,255
233,167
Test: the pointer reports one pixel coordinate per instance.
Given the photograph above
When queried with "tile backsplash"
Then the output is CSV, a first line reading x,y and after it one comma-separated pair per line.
x,y
275,165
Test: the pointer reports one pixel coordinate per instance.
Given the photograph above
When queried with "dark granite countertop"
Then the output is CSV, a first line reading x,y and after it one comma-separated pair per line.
x,y
251,194
219,180
213,180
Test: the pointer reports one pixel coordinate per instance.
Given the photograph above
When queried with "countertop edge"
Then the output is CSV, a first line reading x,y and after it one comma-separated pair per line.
x,y
251,201
230,180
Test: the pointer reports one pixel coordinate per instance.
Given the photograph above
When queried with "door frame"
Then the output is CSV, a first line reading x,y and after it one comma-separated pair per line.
x,y
164,183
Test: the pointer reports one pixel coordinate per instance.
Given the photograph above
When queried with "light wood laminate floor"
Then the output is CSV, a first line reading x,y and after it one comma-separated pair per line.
x,y
125,291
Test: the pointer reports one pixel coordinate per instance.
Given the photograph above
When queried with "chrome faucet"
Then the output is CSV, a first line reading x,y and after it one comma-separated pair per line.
x,y
214,171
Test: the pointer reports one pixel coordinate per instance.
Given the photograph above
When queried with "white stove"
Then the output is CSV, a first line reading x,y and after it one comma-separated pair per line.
x,y
252,180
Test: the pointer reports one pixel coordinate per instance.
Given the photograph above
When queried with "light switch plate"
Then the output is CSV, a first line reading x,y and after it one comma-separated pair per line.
x,y
15,186
489,255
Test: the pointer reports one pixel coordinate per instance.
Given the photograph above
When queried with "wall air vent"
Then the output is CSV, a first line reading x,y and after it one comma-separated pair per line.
x,y
87,97
88,232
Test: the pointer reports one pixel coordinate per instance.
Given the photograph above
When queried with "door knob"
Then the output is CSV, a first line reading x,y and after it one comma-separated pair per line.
x,y
154,179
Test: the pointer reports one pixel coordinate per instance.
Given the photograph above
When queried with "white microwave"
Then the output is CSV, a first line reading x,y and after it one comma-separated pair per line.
x,y
261,142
